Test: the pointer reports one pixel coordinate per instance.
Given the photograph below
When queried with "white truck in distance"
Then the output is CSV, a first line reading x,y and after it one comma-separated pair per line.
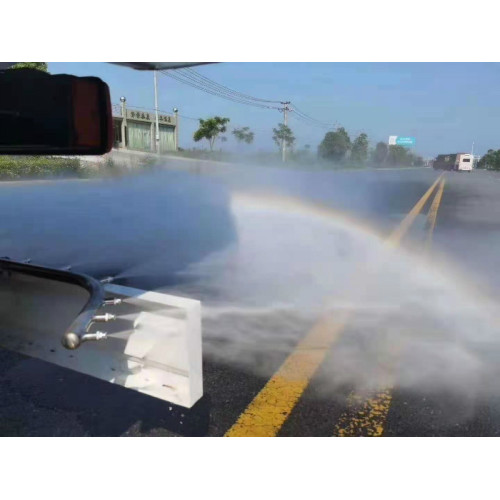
x,y
458,161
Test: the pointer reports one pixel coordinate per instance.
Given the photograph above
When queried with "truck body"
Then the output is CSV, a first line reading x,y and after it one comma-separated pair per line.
x,y
455,161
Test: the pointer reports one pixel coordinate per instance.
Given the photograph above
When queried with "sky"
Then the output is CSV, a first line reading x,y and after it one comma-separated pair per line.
x,y
445,106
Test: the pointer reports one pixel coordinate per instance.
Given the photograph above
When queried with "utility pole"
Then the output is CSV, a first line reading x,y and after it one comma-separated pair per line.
x,y
124,122
285,110
157,128
176,113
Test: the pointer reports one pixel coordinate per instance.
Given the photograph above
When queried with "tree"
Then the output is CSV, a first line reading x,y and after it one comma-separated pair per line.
x,y
335,145
416,160
380,153
490,161
243,135
359,153
283,135
398,156
210,129
302,154
40,66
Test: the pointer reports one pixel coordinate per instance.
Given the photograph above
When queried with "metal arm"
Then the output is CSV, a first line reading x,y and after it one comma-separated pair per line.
x,y
77,331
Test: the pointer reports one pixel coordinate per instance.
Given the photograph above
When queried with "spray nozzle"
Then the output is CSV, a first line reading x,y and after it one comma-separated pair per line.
x,y
104,317
94,336
112,302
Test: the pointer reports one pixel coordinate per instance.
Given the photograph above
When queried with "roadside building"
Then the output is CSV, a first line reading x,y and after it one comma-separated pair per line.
x,y
135,129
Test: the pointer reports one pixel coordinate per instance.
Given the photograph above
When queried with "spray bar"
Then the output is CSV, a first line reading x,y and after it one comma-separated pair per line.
x,y
78,330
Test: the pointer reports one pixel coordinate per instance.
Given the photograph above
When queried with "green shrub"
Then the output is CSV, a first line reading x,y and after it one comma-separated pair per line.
x,y
38,167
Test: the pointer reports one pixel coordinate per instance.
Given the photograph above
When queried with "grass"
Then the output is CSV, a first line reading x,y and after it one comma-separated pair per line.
x,y
39,167
55,167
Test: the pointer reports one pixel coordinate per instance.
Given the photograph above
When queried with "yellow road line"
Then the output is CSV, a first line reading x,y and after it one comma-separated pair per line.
x,y
396,236
367,416
270,408
432,215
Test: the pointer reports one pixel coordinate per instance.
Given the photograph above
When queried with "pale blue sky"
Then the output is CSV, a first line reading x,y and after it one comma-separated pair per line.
x,y
445,106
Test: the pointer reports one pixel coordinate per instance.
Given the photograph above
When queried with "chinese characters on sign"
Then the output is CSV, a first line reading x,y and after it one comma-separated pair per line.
x,y
141,115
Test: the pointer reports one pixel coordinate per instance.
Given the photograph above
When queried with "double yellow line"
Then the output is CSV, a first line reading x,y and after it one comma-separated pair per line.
x,y
269,410
367,416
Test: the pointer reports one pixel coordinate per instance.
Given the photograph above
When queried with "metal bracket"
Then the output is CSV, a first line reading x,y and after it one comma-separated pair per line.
x,y
77,331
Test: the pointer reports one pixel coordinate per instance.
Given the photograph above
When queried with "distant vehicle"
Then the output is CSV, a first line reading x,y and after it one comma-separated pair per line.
x,y
460,162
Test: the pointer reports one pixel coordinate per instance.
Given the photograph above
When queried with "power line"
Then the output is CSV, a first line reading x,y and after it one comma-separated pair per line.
x,y
296,116
214,84
305,115
222,90
323,126
193,83
212,92
312,120
190,77
214,87
304,121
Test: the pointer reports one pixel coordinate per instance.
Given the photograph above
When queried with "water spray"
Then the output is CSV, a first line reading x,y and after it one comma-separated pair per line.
x,y
109,279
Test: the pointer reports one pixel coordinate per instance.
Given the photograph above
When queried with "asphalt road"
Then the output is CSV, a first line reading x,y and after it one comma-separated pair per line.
x,y
415,355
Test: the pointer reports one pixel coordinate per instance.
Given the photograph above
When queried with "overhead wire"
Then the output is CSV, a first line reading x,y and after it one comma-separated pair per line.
x,y
193,83
189,76
223,88
301,119
309,118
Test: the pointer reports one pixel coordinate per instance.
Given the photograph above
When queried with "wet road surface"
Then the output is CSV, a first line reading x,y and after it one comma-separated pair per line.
x,y
375,376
